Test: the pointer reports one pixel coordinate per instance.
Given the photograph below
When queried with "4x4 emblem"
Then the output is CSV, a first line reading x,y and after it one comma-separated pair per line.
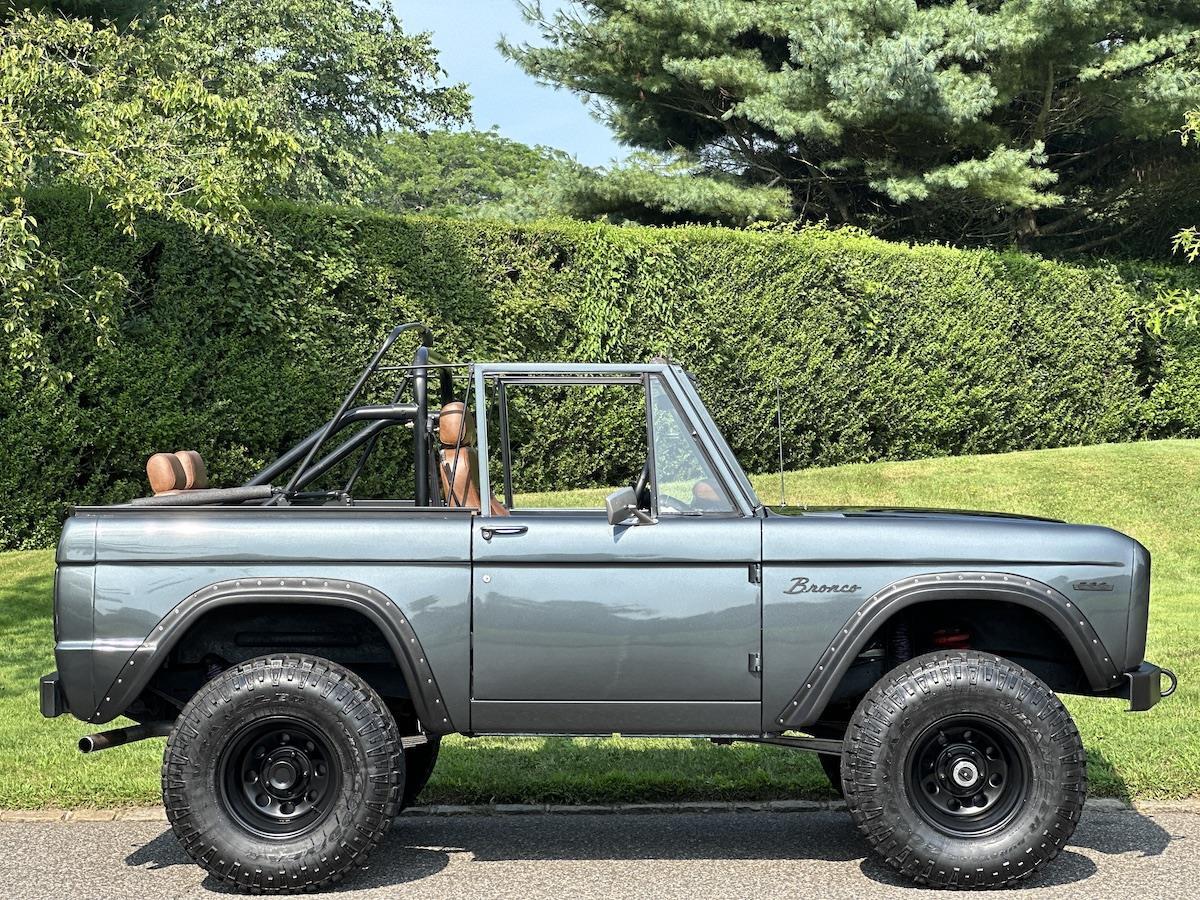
x,y
804,586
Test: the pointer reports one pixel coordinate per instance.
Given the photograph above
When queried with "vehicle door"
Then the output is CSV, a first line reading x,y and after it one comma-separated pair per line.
x,y
581,626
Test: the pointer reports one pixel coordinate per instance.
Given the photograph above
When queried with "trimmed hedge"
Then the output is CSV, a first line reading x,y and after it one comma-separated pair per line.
x,y
882,351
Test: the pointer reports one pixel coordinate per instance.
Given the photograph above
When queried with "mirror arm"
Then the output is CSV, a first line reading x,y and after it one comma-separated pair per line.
x,y
643,517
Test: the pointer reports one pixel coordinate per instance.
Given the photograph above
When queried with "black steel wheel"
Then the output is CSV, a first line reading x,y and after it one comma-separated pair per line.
x,y
963,770
282,774
279,777
967,775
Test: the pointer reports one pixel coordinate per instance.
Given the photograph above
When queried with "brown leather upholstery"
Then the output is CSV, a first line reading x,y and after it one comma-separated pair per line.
x,y
195,473
455,428
183,470
459,465
165,473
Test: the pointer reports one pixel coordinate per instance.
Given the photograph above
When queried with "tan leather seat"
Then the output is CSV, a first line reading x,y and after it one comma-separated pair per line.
x,y
170,473
459,465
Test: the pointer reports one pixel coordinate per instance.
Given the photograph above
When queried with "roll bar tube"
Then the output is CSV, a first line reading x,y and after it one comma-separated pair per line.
x,y
332,424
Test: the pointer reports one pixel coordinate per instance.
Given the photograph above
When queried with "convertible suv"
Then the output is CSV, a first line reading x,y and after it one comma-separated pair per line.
x,y
305,649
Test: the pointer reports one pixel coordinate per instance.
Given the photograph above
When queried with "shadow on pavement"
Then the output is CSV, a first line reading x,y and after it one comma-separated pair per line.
x,y
420,847
1066,868
1108,831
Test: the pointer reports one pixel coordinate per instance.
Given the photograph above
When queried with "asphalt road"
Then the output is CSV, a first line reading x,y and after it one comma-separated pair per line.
x,y
1115,854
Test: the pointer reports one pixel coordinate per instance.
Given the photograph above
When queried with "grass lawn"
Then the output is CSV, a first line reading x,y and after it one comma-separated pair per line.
x,y
1148,490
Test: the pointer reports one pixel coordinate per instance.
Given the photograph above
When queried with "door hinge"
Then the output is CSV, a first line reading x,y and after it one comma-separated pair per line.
x,y
755,573
755,662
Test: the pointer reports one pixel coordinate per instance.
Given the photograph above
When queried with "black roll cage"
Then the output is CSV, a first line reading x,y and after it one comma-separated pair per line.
x,y
379,417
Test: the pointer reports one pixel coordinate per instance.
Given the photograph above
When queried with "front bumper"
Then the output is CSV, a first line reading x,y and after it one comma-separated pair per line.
x,y
1143,686
53,701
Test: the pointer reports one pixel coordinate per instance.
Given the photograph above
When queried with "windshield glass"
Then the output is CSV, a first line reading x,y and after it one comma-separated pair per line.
x,y
684,479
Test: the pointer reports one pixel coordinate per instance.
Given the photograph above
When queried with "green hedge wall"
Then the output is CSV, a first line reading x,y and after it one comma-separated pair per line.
x,y
881,350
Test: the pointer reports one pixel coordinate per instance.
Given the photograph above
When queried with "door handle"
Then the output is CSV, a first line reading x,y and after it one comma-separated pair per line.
x,y
487,531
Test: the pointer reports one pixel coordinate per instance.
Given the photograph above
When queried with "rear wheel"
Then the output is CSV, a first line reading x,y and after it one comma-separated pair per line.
x,y
964,770
282,774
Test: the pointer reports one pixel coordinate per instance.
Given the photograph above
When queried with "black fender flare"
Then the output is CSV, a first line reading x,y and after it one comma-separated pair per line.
x,y
376,606
810,700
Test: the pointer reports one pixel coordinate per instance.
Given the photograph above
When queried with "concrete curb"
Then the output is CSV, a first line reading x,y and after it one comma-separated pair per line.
x,y
158,814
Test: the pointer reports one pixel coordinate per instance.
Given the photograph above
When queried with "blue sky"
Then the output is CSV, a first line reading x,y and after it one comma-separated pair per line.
x,y
465,32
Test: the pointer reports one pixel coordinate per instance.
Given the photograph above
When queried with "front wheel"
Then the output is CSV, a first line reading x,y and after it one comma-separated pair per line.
x,y
282,774
964,770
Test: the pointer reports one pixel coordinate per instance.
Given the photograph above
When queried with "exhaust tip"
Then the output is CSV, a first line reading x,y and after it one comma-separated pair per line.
x,y
86,744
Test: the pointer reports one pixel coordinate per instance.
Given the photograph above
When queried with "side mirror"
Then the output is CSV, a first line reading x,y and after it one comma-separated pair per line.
x,y
622,504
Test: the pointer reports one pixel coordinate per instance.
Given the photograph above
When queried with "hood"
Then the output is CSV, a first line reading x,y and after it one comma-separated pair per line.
x,y
936,537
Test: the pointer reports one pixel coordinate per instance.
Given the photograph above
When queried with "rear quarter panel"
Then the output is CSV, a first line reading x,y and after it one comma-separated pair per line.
x,y
146,562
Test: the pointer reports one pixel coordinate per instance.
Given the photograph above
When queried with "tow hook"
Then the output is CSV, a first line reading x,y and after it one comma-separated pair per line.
x,y
1174,683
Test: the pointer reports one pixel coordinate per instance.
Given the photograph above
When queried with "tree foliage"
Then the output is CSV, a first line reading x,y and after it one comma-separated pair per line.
x,y
335,75
189,116
468,174
1041,123
119,113
484,175
669,189
1187,241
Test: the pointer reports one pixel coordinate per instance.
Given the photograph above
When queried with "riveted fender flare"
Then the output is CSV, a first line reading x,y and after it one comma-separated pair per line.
x,y
810,700
376,606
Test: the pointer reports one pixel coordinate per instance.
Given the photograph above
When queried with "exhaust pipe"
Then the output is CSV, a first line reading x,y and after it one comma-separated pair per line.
x,y
118,736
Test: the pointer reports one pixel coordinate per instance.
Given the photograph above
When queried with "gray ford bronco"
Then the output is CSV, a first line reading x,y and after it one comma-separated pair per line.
x,y
305,648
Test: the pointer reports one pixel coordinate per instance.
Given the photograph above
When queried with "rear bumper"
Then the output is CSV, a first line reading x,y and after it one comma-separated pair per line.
x,y
50,691
1143,686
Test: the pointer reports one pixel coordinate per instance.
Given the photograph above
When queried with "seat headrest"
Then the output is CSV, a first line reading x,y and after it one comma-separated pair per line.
x,y
183,470
165,472
195,473
455,427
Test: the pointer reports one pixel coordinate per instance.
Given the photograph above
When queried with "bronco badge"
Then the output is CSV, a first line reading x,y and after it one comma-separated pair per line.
x,y
804,586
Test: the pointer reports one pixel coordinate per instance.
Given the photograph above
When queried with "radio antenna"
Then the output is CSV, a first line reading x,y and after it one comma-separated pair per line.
x,y
779,427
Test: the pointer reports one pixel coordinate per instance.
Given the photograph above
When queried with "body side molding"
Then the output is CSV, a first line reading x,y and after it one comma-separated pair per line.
x,y
814,694
378,608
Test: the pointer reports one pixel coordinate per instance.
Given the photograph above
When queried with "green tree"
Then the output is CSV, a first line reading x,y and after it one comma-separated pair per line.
x,y
479,174
482,174
665,189
336,74
122,115
1187,241
191,117
997,121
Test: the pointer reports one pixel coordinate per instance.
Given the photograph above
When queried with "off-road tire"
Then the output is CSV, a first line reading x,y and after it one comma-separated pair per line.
x,y
418,766
909,709
364,773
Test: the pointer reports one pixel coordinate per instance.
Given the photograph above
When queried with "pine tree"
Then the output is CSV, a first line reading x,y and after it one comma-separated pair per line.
x,y
1039,122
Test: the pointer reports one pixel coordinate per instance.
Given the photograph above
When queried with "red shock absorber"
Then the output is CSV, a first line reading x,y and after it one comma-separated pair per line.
x,y
952,639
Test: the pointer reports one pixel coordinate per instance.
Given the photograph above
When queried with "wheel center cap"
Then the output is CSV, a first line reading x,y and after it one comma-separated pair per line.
x,y
965,773
282,775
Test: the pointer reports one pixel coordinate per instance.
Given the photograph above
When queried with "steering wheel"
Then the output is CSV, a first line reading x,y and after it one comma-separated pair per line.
x,y
669,504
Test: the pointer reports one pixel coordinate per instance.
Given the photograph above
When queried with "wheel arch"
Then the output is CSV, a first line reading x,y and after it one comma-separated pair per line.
x,y
373,605
1063,616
